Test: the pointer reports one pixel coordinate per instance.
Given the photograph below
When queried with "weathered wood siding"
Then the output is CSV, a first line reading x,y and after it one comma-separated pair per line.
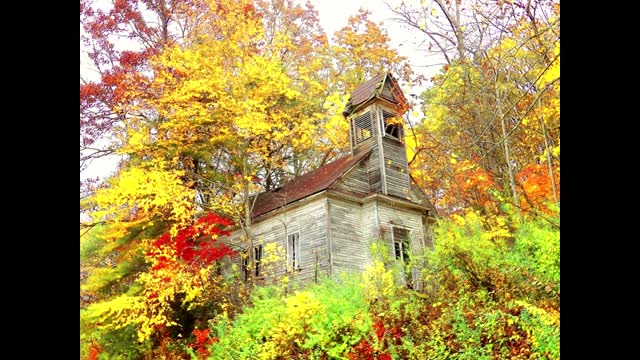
x,y
373,170
396,168
428,233
310,221
405,218
356,181
349,235
386,92
365,146
355,226
412,220
370,220
415,194
395,171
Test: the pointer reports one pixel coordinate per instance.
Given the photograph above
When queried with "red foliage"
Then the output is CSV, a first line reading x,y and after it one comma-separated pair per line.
x,y
104,25
202,342
396,334
202,336
474,182
362,351
94,351
195,244
378,327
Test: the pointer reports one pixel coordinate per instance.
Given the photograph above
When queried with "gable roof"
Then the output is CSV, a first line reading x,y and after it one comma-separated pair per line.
x,y
373,88
305,185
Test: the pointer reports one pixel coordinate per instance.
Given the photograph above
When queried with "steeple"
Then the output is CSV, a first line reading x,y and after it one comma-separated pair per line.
x,y
374,112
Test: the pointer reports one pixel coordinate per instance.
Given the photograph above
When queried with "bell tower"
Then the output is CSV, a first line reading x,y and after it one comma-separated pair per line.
x,y
375,112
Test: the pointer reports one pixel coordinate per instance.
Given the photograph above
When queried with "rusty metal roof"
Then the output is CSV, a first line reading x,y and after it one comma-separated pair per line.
x,y
306,185
364,92
370,89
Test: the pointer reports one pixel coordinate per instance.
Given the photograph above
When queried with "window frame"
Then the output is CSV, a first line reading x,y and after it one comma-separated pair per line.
x,y
383,125
409,274
355,138
293,256
405,245
258,253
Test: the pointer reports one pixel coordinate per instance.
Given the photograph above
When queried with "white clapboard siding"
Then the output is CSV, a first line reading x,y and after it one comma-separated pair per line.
x,y
309,220
349,240
356,181
405,218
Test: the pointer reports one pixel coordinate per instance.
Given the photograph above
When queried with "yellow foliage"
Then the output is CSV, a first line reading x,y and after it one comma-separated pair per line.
x,y
411,145
273,261
299,311
459,220
335,129
548,316
377,280
553,72
516,84
150,306
222,90
140,193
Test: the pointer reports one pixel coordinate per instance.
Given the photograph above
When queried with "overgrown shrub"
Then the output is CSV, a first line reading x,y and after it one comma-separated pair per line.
x,y
491,291
320,321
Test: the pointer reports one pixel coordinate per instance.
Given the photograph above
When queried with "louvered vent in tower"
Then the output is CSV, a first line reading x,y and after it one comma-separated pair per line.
x,y
361,128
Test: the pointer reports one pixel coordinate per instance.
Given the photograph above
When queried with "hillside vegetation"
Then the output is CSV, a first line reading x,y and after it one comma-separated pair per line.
x,y
488,293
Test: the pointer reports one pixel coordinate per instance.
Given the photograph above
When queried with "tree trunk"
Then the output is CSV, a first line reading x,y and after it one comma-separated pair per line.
x,y
507,156
247,228
549,157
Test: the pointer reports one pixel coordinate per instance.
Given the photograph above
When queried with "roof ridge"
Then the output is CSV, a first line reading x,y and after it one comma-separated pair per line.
x,y
368,90
307,184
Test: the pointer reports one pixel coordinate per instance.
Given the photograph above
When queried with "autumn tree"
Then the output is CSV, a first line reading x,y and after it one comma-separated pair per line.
x,y
492,118
191,138
294,37
291,35
220,100
361,51
119,38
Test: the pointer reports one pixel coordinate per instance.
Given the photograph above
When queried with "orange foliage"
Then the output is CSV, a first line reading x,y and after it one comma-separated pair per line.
x,y
537,187
475,182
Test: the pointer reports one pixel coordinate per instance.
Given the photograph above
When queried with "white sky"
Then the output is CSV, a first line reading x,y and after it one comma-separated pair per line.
x,y
333,15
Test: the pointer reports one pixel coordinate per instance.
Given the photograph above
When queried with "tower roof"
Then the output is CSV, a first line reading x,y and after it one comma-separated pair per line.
x,y
375,88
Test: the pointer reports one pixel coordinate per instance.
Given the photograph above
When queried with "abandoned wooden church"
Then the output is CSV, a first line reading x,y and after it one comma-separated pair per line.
x,y
327,219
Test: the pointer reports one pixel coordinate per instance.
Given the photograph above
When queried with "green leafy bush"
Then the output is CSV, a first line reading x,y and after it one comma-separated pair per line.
x,y
320,321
